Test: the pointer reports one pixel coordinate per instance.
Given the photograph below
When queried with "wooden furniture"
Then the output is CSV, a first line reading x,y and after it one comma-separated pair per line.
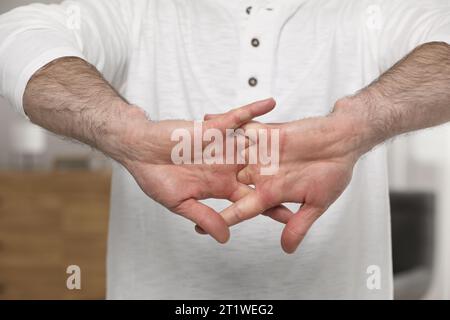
x,y
49,221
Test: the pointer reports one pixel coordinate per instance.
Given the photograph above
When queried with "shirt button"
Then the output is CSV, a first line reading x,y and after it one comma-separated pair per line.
x,y
248,10
252,82
255,42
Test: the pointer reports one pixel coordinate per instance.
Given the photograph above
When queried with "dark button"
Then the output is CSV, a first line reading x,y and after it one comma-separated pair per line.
x,y
255,42
248,10
252,82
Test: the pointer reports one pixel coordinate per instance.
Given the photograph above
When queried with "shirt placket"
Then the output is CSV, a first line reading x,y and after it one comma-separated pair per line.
x,y
261,22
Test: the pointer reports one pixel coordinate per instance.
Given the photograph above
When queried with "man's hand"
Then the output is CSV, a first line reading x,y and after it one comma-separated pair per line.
x,y
70,97
316,161
147,148
317,155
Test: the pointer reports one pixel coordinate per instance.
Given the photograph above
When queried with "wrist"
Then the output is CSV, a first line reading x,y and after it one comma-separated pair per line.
x,y
120,136
362,120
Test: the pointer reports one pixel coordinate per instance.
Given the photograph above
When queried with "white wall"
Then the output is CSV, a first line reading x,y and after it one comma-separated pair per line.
x,y
421,161
9,118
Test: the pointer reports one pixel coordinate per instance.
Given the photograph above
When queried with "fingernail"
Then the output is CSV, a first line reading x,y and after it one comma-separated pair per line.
x,y
200,230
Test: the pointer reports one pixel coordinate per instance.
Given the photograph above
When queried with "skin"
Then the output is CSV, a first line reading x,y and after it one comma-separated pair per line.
x,y
316,161
317,156
59,99
165,182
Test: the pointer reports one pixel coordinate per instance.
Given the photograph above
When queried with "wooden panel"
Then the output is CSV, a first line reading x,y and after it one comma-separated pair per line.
x,y
49,221
85,214
32,282
30,249
30,212
55,182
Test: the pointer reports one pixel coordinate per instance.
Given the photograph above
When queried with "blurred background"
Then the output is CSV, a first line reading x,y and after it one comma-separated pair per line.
x,y
54,202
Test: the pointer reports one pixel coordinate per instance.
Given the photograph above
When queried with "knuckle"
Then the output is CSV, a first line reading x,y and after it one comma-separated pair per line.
x,y
311,216
267,197
296,232
239,214
236,116
245,176
202,220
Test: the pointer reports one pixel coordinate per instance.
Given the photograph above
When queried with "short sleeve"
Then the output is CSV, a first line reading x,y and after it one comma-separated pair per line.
x,y
410,23
34,35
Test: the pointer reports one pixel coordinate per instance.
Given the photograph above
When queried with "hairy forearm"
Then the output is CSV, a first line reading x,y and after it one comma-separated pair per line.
x,y
70,97
413,94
